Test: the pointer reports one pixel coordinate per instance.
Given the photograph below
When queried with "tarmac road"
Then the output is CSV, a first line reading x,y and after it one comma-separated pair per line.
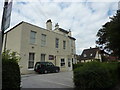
x,y
51,80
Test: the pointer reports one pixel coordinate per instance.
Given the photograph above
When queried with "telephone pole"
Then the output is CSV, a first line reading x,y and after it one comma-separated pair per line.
x,y
119,5
4,25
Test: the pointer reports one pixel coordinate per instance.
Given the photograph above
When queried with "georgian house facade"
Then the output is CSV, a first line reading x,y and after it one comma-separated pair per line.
x,y
35,44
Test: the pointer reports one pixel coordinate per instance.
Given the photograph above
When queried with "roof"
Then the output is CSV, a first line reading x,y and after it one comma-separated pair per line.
x,y
65,31
89,53
22,23
15,26
71,37
62,30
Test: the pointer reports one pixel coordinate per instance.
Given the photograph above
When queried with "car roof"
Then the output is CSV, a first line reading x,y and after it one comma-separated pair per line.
x,y
43,62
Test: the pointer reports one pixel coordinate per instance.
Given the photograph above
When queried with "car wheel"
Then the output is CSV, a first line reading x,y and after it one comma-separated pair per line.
x,y
45,71
56,70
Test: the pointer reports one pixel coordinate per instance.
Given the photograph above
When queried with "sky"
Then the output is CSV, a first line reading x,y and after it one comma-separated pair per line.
x,y
83,17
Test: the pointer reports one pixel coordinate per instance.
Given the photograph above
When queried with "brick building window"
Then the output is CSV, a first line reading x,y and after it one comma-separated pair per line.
x,y
64,44
43,57
62,62
32,37
31,60
57,43
43,40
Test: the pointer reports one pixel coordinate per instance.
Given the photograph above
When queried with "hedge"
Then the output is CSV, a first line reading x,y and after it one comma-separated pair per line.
x,y
78,65
96,76
10,72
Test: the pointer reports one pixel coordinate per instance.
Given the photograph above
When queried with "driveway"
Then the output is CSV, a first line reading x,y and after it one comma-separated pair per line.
x,y
51,80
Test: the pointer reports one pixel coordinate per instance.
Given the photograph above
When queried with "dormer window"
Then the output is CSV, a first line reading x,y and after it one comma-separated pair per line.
x,y
85,55
91,54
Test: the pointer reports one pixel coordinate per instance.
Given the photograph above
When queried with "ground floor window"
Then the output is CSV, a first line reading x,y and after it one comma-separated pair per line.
x,y
43,57
72,60
69,63
31,60
62,62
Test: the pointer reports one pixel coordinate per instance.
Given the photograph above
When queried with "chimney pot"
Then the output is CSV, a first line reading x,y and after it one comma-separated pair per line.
x,y
49,24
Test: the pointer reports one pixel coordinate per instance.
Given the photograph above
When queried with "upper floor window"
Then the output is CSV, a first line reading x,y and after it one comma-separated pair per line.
x,y
72,51
71,43
85,55
91,54
57,43
64,44
32,37
43,40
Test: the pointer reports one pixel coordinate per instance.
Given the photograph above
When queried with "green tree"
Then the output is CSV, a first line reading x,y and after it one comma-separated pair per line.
x,y
109,35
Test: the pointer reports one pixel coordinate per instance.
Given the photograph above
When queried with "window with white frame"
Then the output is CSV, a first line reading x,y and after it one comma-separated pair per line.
x,y
43,57
64,44
85,55
71,43
91,54
69,62
62,62
72,51
43,40
72,60
57,43
31,60
32,37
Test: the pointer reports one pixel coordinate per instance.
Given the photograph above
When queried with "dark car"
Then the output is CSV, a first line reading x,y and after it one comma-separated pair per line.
x,y
46,67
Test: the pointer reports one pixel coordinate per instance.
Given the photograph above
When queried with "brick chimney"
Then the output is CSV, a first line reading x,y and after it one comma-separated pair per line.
x,y
49,24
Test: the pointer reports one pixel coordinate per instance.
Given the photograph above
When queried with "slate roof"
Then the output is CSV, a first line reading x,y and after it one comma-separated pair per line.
x,y
62,30
88,53
65,31
71,37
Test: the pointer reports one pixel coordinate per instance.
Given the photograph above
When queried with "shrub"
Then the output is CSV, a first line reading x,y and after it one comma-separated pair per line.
x,y
10,71
77,65
119,69
112,68
92,76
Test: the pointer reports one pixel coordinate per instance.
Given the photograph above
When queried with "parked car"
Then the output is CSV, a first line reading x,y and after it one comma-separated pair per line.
x,y
46,67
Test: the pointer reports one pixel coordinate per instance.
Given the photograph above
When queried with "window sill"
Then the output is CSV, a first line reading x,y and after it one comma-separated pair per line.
x,y
33,43
31,69
62,66
43,46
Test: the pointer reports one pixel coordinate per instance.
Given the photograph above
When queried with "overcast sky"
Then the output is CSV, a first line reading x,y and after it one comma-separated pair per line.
x,y
83,17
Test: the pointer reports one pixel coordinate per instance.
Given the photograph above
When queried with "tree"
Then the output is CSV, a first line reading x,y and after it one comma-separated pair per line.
x,y
109,35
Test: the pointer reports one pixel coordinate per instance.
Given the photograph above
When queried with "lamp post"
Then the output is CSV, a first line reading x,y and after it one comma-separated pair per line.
x,y
4,25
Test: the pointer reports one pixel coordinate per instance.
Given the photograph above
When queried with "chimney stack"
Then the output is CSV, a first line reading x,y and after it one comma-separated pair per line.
x,y
56,26
49,24
69,34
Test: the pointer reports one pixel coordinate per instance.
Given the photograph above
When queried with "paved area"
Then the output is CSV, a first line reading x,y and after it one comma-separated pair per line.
x,y
51,80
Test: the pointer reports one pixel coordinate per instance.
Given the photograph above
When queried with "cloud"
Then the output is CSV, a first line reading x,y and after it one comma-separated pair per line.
x,y
84,18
